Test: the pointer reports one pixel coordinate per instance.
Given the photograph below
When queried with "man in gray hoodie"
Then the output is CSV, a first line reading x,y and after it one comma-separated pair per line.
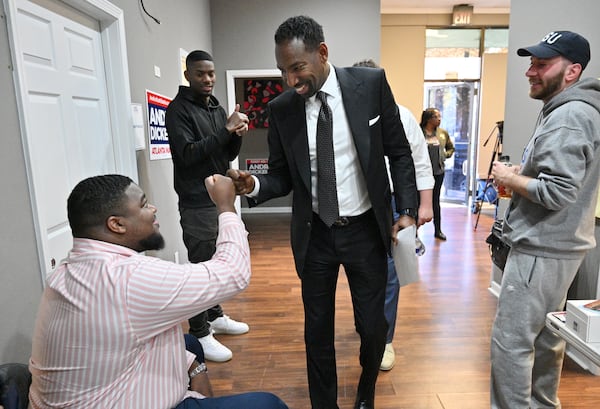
x,y
549,223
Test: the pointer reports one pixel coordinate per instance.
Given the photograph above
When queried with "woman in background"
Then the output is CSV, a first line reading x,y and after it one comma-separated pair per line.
x,y
440,148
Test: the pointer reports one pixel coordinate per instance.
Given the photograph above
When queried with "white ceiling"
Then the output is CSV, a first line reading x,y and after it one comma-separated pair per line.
x,y
442,6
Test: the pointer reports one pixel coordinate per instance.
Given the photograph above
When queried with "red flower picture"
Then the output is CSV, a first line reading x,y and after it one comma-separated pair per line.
x,y
257,94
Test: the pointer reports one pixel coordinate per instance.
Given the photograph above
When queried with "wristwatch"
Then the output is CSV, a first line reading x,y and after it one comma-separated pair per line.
x,y
409,211
201,368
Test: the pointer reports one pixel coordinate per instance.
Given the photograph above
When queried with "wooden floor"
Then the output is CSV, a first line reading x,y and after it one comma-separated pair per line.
x,y
441,340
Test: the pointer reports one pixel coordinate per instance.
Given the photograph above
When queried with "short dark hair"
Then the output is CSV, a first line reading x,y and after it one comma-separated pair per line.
x,y
302,28
197,55
94,199
427,115
369,63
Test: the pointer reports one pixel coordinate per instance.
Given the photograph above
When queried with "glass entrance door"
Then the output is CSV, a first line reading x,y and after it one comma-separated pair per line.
x,y
457,102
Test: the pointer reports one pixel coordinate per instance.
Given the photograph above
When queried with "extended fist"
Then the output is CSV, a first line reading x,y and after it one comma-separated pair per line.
x,y
221,192
242,180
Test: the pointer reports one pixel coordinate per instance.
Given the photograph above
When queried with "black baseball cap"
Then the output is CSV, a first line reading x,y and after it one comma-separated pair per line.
x,y
570,45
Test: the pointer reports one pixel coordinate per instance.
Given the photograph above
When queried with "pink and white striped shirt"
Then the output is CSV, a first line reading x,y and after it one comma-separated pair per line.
x,y
108,331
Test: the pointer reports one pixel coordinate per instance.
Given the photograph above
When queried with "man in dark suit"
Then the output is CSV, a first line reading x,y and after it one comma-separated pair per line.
x,y
354,108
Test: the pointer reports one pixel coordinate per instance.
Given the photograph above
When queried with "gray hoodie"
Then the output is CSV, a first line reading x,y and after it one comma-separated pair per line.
x,y
563,158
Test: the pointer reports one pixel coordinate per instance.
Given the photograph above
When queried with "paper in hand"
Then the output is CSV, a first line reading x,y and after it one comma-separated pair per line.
x,y
405,257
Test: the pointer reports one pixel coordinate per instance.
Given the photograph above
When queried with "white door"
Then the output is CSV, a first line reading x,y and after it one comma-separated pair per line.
x,y
65,109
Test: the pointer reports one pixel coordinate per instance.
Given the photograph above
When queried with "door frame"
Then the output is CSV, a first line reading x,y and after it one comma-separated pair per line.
x,y
473,143
231,76
114,51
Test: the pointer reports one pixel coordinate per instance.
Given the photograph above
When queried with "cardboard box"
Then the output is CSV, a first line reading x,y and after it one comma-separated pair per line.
x,y
584,322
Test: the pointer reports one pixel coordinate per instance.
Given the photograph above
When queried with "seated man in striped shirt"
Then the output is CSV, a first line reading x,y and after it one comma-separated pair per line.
x,y
108,333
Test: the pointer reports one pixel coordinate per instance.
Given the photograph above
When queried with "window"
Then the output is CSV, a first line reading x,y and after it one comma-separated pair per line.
x,y
452,54
495,40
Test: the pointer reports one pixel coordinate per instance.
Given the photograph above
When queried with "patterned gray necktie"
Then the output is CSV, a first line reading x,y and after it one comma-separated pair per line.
x,y
327,192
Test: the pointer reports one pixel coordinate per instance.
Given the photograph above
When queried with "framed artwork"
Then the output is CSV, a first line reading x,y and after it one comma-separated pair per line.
x,y
257,94
253,89
237,93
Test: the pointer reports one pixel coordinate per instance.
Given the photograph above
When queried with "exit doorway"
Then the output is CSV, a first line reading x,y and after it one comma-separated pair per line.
x,y
458,104
453,68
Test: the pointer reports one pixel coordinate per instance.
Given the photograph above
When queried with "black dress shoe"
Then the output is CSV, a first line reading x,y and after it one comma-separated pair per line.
x,y
440,235
363,404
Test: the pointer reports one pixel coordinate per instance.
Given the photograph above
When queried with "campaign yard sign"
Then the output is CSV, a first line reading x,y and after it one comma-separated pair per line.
x,y
157,131
257,166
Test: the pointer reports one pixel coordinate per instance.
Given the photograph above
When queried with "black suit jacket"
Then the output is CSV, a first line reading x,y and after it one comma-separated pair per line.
x,y
376,130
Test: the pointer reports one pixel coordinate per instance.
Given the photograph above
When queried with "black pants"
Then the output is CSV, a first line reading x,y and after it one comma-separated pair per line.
x,y
200,229
437,211
359,249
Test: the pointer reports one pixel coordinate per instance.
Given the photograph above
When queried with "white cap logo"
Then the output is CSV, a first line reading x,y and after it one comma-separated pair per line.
x,y
551,38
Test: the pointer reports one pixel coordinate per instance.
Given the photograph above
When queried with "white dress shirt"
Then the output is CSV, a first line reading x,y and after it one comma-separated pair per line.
x,y
418,146
353,198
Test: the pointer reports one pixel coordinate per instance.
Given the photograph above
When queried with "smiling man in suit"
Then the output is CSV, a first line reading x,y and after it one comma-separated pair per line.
x,y
328,135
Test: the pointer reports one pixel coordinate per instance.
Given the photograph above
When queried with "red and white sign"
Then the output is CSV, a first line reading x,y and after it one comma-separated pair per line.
x,y
157,130
257,166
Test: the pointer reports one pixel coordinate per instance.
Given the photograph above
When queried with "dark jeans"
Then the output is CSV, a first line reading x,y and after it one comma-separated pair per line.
x,y
194,346
359,249
200,228
392,289
251,400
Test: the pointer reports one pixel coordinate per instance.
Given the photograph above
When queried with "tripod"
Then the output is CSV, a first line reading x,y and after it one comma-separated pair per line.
x,y
489,182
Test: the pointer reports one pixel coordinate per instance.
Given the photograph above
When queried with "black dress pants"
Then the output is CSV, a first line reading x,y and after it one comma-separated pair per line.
x,y
358,247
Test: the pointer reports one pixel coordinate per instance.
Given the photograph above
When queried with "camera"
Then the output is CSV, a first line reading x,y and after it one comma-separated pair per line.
x,y
500,125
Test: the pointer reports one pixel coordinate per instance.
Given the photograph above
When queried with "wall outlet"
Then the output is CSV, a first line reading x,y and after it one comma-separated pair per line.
x,y
157,71
176,257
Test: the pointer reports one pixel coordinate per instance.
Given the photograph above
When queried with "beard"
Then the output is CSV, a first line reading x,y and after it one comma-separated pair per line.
x,y
153,242
552,87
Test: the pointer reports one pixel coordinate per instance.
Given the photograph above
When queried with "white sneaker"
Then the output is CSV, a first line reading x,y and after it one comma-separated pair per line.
x,y
214,350
389,358
226,325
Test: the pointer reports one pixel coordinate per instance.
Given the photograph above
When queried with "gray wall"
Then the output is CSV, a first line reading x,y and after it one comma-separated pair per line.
x,y
528,24
244,40
238,40
20,283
